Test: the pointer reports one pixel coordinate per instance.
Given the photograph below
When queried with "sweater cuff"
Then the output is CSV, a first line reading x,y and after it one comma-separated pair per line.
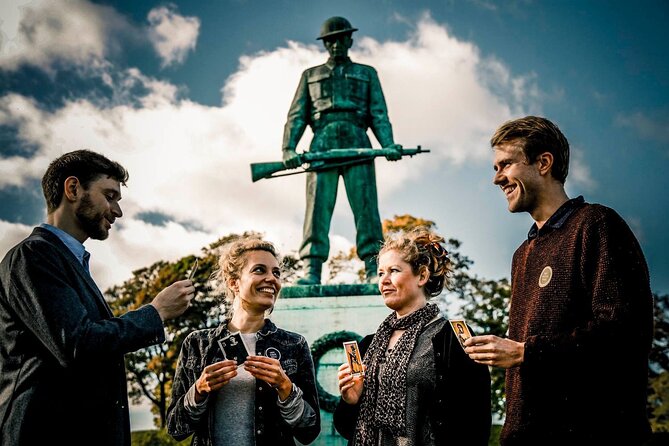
x,y
195,409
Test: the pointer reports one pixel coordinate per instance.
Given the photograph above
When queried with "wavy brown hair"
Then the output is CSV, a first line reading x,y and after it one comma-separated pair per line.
x,y
420,248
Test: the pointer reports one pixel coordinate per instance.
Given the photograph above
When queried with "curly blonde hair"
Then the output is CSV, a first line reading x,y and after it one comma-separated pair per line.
x,y
232,260
420,248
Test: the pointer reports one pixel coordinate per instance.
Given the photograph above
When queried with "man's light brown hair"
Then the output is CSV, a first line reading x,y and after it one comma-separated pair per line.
x,y
536,135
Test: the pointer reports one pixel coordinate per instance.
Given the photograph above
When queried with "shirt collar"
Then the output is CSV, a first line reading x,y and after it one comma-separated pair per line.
x,y
72,243
559,217
331,62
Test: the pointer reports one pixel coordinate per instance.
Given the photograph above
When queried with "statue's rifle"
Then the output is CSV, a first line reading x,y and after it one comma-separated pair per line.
x,y
331,159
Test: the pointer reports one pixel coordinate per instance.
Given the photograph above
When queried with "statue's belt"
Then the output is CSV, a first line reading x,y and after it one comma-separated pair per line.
x,y
321,119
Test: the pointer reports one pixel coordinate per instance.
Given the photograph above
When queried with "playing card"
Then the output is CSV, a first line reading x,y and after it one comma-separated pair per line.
x,y
353,358
233,347
461,330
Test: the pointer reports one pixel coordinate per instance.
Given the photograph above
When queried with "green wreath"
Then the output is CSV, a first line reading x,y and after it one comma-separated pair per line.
x,y
321,346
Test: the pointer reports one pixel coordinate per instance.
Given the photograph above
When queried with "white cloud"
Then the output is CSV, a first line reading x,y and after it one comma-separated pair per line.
x,y
172,35
654,128
11,234
42,33
580,175
191,161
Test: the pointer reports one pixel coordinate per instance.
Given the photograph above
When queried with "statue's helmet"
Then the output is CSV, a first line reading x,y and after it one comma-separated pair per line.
x,y
334,26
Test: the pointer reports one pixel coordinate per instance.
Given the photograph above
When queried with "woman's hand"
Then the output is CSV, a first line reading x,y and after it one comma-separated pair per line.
x,y
350,387
214,377
270,371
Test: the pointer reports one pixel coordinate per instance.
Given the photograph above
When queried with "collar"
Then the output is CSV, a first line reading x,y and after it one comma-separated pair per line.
x,y
266,329
559,218
331,63
70,242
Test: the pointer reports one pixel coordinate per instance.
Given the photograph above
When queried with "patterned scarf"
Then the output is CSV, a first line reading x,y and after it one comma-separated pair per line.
x,y
384,397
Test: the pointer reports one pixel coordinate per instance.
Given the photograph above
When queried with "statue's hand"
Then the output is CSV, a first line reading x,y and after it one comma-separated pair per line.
x,y
397,153
291,159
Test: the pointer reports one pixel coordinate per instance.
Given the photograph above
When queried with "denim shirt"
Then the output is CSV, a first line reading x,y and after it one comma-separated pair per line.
x,y
201,349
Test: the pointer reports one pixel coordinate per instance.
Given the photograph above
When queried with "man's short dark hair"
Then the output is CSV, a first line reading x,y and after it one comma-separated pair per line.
x,y
536,135
86,165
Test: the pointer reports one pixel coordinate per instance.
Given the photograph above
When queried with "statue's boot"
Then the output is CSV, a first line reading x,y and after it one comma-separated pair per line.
x,y
312,276
371,270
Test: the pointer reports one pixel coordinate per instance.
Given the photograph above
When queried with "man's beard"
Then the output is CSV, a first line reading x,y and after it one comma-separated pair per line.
x,y
91,221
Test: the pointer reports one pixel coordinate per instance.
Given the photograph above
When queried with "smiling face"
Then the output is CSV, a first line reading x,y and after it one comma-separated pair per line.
x,y
99,207
402,290
259,282
519,179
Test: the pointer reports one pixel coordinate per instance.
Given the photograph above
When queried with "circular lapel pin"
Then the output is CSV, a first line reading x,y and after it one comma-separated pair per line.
x,y
546,276
273,353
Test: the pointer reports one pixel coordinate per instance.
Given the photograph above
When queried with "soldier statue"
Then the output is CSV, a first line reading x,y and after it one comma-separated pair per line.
x,y
339,100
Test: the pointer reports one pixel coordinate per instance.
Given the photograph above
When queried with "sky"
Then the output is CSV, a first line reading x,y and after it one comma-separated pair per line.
x,y
186,94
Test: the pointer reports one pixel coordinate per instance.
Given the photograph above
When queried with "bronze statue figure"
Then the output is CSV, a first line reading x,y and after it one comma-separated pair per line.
x,y
339,100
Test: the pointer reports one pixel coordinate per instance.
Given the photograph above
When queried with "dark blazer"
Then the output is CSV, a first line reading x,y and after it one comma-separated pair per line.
x,y
461,405
62,374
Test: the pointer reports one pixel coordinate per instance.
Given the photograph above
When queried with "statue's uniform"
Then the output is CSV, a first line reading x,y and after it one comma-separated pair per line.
x,y
340,102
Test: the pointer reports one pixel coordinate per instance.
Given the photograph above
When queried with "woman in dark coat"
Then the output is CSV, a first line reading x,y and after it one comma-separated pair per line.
x,y
420,388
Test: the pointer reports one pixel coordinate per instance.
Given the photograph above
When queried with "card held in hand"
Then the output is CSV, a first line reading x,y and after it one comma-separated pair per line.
x,y
461,330
233,347
353,358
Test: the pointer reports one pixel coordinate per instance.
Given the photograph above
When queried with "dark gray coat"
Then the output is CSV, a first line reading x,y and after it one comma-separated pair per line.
x,y
62,375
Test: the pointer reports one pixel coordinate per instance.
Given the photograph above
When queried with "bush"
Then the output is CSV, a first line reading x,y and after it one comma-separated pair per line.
x,y
155,438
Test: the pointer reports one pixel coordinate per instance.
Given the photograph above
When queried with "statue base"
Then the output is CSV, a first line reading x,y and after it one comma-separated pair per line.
x,y
327,316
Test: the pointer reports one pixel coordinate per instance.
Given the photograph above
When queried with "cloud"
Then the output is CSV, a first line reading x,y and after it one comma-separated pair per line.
x,y
171,34
43,33
190,162
11,234
46,34
580,175
651,128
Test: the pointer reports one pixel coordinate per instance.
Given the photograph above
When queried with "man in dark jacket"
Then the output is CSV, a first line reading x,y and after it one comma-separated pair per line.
x,y
581,316
62,374
339,100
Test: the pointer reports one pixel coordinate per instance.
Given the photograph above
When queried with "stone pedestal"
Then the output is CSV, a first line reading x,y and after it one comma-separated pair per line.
x,y
327,315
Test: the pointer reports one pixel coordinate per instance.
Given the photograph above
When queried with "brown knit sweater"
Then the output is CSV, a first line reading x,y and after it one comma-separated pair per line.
x,y
581,302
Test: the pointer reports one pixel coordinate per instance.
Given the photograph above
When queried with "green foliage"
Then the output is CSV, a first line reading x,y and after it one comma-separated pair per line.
x,y
658,400
658,395
155,438
495,430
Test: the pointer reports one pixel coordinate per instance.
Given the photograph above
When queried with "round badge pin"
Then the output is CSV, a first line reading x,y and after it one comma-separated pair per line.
x,y
273,353
546,276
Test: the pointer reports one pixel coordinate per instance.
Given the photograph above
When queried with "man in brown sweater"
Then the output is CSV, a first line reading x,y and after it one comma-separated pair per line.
x,y
581,320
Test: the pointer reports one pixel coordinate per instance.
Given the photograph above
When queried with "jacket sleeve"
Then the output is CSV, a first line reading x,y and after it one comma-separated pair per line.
x,y
345,416
309,426
298,115
42,289
462,406
180,424
616,284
